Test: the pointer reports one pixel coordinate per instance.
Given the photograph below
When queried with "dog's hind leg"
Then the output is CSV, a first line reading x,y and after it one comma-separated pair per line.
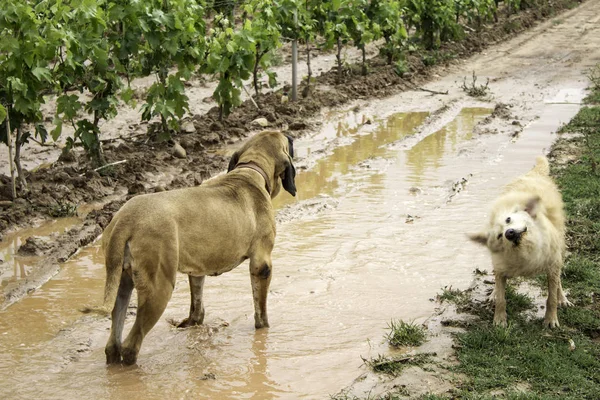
x,y
119,312
562,298
197,307
153,295
500,310
554,285
260,278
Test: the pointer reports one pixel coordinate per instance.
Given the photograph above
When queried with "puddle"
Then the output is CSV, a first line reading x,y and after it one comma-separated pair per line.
x,y
337,279
426,154
13,266
325,177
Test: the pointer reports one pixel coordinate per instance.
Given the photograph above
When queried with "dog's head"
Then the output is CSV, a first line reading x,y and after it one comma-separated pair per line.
x,y
273,152
510,228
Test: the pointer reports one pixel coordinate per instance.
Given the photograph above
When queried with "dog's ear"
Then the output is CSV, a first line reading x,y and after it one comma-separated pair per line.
x,y
290,145
479,237
288,178
233,162
533,206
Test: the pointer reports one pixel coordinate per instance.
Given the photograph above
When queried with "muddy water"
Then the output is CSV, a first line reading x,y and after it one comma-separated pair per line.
x,y
13,266
394,239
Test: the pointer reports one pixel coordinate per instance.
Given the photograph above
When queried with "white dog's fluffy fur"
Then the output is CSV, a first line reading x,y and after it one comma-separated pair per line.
x,y
526,237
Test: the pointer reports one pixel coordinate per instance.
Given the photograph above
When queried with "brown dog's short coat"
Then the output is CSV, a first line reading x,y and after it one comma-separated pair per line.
x,y
199,231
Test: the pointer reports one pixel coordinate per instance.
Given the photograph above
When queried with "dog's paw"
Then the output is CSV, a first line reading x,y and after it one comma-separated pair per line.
x,y
113,354
551,322
129,356
187,323
500,320
565,303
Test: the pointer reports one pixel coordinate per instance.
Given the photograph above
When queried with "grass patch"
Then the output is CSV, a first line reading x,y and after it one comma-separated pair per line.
x,y
516,303
594,76
63,209
498,358
395,365
475,90
586,123
452,295
405,334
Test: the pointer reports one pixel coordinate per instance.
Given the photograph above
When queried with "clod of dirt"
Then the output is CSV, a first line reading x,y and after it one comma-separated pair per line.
x,y
67,156
298,125
188,127
306,208
502,110
136,188
179,151
33,246
261,122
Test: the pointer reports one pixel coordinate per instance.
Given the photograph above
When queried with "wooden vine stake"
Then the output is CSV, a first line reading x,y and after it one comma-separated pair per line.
x,y
295,61
10,157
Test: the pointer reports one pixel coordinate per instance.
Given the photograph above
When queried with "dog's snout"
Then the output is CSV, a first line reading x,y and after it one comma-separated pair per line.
x,y
511,234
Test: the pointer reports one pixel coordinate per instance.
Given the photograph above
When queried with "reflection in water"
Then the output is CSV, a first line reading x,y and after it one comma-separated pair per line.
x,y
259,383
429,151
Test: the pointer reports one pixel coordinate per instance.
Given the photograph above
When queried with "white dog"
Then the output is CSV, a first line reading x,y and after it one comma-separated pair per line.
x,y
526,237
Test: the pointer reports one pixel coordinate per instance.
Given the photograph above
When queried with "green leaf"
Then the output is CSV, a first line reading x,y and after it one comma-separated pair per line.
x,y
42,74
68,105
3,113
57,131
127,95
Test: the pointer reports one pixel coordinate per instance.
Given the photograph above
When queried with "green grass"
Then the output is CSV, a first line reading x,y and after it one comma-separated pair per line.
x,y
452,295
395,365
63,209
405,334
594,76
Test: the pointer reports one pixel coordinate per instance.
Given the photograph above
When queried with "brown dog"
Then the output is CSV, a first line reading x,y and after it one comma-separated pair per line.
x,y
199,231
526,237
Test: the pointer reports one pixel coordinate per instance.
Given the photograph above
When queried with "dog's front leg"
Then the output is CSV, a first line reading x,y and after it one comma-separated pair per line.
x,y
500,291
260,278
551,317
197,307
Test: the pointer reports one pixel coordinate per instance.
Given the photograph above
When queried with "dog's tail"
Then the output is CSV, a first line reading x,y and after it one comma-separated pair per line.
x,y
114,254
542,166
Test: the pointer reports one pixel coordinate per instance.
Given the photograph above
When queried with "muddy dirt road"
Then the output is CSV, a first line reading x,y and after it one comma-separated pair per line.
x,y
387,190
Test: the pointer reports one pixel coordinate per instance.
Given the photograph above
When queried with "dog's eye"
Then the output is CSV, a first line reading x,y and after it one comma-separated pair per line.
x,y
508,220
499,236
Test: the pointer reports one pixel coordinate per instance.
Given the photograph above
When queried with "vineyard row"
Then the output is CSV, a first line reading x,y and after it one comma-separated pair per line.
x,y
64,48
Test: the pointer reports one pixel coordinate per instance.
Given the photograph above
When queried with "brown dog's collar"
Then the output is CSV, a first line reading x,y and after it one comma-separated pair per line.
x,y
258,169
